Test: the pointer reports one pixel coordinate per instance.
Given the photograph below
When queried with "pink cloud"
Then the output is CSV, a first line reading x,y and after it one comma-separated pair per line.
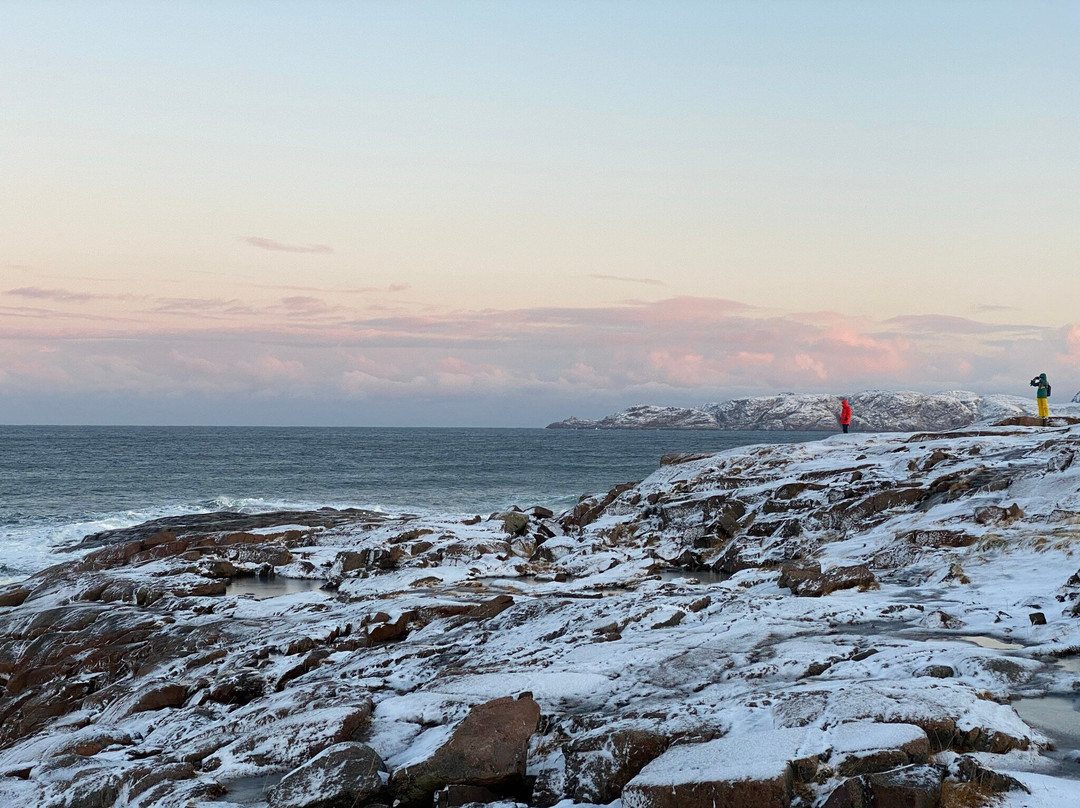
x,y
281,246
62,295
674,349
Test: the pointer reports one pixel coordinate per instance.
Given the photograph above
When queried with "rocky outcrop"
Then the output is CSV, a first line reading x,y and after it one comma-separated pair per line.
x,y
168,667
645,416
873,411
487,749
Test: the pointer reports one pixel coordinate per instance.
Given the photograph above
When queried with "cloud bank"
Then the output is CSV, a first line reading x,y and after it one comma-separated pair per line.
x,y
306,349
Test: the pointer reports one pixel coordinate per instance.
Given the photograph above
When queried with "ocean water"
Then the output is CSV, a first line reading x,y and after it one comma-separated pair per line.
x,y
58,484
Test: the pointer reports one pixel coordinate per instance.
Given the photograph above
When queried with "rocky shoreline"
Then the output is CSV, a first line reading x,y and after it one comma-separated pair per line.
x,y
874,411
847,622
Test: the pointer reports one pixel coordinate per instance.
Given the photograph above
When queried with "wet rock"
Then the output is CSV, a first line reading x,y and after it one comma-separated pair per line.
x,y
487,749
599,765
341,776
13,595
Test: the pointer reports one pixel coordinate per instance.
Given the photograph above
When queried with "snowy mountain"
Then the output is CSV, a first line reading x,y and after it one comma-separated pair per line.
x,y
873,411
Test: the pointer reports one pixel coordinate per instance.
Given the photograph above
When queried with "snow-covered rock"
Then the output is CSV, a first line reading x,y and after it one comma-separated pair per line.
x,y
109,696
873,411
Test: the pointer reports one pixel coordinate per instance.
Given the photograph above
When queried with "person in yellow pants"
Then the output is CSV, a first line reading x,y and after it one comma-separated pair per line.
x,y
1042,394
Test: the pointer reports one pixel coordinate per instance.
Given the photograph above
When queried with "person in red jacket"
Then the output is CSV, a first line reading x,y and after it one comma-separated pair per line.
x,y
845,415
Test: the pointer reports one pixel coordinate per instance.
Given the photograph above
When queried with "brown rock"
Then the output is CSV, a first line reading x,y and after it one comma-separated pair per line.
x,y
13,595
599,766
160,697
808,580
341,776
907,787
487,749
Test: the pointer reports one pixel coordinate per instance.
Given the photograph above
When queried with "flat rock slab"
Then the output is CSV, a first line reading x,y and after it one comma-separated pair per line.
x,y
745,771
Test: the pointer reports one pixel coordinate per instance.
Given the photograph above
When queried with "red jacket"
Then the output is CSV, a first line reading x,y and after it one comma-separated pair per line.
x,y
845,413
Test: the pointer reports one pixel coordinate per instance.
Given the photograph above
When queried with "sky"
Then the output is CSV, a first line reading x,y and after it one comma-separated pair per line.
x,y
506,213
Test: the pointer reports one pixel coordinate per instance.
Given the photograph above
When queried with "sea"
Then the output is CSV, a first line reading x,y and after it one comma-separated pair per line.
x,y
60,483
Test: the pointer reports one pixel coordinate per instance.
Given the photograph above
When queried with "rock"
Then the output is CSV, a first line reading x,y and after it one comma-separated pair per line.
x,y
13,595
600,764
341,776
455,795
936,671
995,515
808,580
288,741
237,687
969,770
861,748
1037,619
746,771
487,749
677,458
160,697
939,538
907,787
514,522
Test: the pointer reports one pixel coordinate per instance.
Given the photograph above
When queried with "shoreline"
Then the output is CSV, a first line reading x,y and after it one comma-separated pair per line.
x,y
862,583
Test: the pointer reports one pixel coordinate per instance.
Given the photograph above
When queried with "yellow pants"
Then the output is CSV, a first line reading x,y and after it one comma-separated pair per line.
x,y
1044,409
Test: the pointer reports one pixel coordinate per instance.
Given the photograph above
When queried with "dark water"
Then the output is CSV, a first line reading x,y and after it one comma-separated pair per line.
x,y
61,483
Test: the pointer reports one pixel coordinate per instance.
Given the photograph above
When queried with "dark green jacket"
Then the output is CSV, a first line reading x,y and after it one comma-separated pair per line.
x,y
1043,385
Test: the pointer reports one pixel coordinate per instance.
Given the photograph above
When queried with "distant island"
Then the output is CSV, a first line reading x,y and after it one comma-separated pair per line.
x,y
873,411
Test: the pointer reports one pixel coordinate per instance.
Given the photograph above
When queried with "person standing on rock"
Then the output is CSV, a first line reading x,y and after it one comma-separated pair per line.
x,y
1042,394
845,415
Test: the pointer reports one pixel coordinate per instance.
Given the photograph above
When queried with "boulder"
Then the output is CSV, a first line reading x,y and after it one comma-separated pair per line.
x,y
341,776
907,787
808,580
746,771
865,748
599,765
487,749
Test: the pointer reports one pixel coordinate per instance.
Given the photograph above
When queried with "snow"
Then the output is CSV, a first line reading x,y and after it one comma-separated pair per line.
x,y
596,636
760,756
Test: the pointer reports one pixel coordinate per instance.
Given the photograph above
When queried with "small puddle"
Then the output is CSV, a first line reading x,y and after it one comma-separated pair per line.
x,y
992,643
274,587
1056,716
249,791
701,576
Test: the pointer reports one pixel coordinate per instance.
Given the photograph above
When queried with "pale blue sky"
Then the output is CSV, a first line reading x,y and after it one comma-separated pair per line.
x,y
439,161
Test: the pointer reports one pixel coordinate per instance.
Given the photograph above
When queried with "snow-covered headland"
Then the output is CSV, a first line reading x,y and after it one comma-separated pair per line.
x,y
866,611
873,411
